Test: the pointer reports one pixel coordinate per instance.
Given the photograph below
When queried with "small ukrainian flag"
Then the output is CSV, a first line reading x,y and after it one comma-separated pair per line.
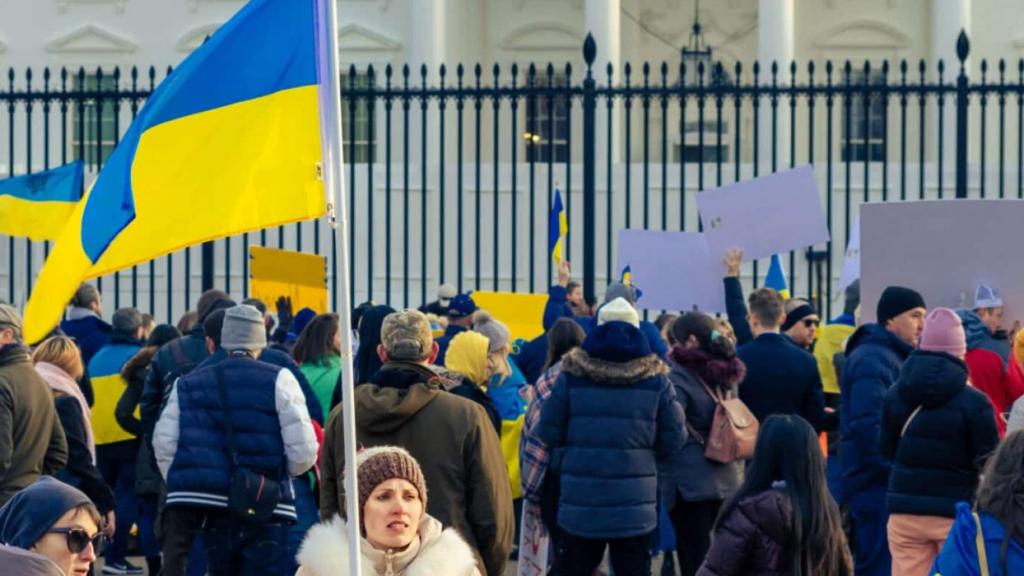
x,y
558,227
38,205
776,277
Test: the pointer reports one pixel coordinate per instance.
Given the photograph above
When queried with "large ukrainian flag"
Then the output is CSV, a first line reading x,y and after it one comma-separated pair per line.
x,y
38,205
229,142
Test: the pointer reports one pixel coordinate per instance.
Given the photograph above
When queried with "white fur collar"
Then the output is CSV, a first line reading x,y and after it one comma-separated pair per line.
x,y
325,552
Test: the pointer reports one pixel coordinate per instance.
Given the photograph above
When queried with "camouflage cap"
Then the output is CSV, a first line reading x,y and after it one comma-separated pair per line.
x,y
406,335
9,318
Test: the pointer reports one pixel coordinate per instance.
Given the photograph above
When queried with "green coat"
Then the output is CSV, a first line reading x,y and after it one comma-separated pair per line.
x,y
32,440
323,379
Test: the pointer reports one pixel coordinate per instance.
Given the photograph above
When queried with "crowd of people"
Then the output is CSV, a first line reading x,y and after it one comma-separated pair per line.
x,y
761,442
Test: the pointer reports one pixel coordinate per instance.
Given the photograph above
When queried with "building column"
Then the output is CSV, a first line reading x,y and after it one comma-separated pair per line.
x,y
602,18
948,18
426,45
774,44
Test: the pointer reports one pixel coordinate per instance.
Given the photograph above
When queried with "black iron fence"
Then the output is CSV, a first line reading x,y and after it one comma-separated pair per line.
x,y
451,172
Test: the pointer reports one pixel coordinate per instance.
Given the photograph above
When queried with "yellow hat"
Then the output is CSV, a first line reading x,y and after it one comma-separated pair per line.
x,y
467,355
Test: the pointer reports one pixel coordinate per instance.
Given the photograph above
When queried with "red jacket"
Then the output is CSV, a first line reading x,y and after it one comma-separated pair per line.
x,y
987,374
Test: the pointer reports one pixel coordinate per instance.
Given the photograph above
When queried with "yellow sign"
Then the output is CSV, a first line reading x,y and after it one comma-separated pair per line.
x,y
522,313
275,273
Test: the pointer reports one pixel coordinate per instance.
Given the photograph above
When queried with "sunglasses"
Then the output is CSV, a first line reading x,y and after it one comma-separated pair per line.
x,y
79,539
811,323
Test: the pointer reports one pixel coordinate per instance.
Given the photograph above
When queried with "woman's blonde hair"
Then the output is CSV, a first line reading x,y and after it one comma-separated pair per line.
x,y
63,353
499,360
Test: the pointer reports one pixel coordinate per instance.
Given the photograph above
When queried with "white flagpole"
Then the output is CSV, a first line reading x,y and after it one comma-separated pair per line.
x,y
335,183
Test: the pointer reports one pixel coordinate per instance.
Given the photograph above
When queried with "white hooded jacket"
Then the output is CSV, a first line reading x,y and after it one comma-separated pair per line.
x,y
325,552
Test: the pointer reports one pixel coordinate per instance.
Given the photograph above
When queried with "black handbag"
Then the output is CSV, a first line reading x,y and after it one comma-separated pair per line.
x,y
252,496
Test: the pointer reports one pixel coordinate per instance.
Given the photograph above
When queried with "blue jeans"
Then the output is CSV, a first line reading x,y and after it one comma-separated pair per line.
x,y
870,544
235,547
309,514
120,475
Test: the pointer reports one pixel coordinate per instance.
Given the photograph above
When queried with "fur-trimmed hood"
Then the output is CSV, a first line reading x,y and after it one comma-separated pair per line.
x,y
325,552
578,363
713,371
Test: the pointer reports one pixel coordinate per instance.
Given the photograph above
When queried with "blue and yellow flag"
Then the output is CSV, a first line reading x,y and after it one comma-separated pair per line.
x,y
229,142
38,205
627,279
558,227
776,277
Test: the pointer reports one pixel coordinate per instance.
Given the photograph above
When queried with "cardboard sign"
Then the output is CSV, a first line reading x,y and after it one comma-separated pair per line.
x,y
522,313
275,273
764,216
943,249
672,270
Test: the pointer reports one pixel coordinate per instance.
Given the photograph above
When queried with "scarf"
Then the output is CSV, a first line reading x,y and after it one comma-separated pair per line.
x,y
61,382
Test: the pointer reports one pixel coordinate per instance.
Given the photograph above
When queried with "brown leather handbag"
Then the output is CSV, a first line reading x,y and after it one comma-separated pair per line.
x,y
733,430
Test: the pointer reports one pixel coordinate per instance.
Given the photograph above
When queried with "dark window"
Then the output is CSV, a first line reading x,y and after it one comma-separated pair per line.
x,y
94,119
365,142
864,142
547,123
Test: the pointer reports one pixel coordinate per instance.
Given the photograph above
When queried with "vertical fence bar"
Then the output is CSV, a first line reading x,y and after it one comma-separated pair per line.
x,y
442,103
1002,128
29,170
459,106
10,172
388,214
514,149
496,107
829,190
531,138
867,85
405,185
371,158
567,87
922,106
941,131
550,146
609,184
903,129
664,150
477,106
755,101
589,169
884,97
983,98
962,48
847,148
424,102
645,103
682,146
628,152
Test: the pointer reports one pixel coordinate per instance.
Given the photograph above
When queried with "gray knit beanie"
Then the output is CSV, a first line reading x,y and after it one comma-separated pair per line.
x,y
620,290
243,329
495,331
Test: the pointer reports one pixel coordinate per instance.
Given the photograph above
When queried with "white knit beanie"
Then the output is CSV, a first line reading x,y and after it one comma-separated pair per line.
x,y
618,310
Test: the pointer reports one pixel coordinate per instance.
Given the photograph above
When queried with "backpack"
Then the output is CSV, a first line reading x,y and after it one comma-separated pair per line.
x,y
733,430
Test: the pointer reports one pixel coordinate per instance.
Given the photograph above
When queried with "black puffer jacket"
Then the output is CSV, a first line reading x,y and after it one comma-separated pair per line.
x,y
753,538
937,459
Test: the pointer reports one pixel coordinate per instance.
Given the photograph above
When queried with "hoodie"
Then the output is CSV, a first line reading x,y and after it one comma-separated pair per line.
x,y
959,556
987,361
452,439
938,456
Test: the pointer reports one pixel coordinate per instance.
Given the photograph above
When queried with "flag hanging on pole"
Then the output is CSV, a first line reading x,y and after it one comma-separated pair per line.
x,y
558,227
38,205
776,277
229,142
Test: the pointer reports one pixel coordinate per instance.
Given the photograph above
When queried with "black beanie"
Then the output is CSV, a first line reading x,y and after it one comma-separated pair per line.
x,y
896,300
797,314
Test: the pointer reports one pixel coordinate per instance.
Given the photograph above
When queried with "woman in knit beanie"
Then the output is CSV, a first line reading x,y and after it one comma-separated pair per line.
x,y
938,430
507,379
399,537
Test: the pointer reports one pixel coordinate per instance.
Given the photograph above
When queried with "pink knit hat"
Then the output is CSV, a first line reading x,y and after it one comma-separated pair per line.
x,y
943,332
